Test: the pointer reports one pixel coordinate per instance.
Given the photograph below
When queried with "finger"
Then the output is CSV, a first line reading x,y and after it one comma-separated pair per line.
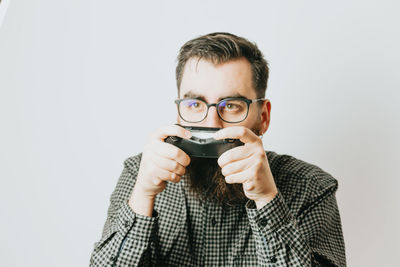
x,y
171,177
238,178
168,164
234,154
171,130
248,186
164,175
236,167
170,152
237,132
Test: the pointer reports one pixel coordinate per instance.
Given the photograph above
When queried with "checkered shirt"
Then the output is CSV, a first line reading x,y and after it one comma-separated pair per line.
x,y
300,227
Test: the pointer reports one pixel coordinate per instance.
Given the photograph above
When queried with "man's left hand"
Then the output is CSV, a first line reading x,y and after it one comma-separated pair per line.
x,y
248,165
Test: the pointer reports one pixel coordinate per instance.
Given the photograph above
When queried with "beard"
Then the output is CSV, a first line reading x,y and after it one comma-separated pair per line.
x,y
205,179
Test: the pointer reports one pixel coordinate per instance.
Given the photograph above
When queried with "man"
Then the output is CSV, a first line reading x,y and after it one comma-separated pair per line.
x,y
249,207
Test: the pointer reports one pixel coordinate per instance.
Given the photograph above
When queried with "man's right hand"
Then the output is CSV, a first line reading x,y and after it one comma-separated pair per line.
x,y
161,162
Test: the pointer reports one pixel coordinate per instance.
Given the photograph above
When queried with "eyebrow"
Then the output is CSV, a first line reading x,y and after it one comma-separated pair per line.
x,y
201,97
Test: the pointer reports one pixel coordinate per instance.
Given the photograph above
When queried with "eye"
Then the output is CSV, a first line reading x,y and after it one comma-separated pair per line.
x,y
193,104
231,106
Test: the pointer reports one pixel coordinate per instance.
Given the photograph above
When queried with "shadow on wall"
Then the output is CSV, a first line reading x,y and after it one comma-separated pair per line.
x,y
3,8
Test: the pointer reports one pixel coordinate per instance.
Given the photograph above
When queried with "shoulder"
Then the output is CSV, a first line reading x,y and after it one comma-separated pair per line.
x,y
127,179
300,181
286,166
132,163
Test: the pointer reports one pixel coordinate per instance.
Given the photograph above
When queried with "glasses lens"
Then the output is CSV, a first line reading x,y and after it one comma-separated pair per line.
x,y
232,110
192,110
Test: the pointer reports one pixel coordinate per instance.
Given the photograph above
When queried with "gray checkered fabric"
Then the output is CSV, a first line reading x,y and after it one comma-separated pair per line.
x,y
300,227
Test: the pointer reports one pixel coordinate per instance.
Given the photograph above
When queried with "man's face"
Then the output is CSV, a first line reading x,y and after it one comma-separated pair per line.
x,y
212,83
202,79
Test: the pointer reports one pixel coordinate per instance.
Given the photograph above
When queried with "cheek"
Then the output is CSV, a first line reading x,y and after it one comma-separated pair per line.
x,y
253,119
179,121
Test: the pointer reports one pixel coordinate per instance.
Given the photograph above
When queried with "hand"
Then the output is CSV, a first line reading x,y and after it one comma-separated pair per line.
x,y
161,162
247,165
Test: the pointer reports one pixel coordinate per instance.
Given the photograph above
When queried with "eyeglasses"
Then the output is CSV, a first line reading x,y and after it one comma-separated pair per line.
x,y
231,110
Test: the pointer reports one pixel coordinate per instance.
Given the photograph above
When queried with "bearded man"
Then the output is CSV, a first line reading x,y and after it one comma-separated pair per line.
x,y
249,207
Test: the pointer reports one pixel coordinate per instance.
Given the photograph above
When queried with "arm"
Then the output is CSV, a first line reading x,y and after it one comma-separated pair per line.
x,y
126,235
311,235
314,238
131,222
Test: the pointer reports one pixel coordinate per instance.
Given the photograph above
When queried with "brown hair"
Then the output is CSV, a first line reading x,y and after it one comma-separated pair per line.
x,y
220,47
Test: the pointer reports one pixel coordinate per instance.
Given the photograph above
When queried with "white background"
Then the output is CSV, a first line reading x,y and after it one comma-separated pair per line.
x,y
82,83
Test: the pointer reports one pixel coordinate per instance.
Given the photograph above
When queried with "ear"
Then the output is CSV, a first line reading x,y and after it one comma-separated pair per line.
x,y
265,115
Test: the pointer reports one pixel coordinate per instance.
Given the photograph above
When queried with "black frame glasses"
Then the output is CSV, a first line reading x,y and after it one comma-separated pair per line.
x,y
216,105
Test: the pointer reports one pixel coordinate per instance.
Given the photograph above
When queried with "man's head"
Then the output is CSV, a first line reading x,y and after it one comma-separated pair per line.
x,y
212,68
221,47
219,65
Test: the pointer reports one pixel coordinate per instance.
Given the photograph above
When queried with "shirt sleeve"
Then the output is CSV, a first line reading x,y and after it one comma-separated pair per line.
x,y
313,238
127,236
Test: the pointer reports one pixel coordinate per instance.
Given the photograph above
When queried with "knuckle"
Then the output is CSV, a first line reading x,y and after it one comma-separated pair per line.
x,y
261,150
180,170
174,153
257,155
257,179
227,158
259,165
259,142
257,169
175,165
220,161
173,177
259,139
242,130
224,171
181,131
253,172
186,160
250,186
157,182
176,179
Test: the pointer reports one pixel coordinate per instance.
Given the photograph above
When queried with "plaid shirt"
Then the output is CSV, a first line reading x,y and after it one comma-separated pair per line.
x,y
299,227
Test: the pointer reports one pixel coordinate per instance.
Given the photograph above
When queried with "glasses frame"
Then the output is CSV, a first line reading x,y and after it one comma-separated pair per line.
x,y
216,105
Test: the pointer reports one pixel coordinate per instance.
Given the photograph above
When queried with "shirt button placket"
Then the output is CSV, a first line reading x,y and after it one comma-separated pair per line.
x,y
113,260
211,235
263,222
127,224
213,221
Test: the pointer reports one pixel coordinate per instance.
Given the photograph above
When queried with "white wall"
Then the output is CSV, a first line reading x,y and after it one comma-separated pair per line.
x,y
75,82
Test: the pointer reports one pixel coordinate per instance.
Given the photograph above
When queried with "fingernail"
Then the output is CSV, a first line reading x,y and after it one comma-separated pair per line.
x,y
188,134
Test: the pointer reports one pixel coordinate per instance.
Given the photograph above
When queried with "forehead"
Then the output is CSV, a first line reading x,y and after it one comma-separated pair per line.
x,y
213,82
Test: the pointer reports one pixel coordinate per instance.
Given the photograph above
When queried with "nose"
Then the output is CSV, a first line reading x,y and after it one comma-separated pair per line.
x,y
212,119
